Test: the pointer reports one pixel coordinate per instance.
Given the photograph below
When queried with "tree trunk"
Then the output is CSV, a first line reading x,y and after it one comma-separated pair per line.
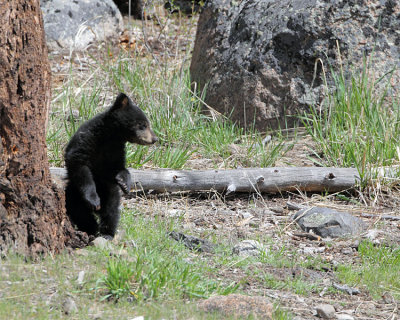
x,y
32,213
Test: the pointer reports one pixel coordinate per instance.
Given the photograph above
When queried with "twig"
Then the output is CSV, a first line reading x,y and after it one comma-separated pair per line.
x,y
381,217
19,296
307,235
346,288
294,206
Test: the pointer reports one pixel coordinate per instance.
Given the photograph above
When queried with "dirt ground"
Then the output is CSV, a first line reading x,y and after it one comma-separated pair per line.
x,y
238,218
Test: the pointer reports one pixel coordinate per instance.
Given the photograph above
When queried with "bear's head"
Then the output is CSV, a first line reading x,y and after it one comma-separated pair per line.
x,y
131,121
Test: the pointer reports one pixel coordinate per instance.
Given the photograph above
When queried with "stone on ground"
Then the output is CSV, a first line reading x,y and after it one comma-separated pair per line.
x,y
325,311
328,223
249,248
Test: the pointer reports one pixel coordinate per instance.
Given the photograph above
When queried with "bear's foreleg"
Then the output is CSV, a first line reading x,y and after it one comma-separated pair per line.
x,y
124,180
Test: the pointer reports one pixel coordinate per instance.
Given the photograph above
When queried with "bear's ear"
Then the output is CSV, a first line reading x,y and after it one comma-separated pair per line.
x,y
121,102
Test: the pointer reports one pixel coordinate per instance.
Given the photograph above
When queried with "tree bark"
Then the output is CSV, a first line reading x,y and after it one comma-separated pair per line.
x,y
32,213
263,180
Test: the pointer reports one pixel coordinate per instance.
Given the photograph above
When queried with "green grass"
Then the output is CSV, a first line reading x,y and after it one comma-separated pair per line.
x,y
158,268
378,272
358,126
298,285
157,277
117,281
176,114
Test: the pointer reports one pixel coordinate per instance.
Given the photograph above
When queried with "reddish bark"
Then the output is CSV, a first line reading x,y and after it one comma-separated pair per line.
x,y
32,213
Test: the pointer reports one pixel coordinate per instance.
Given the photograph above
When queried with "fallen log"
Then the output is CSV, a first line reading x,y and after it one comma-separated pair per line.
x,y
263,180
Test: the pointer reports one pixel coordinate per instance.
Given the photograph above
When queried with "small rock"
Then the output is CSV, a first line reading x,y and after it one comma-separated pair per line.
x,y
327,222
193,243
73,115
266,140
325,311
174,213
308,250
101,243
343,316
248,248
239,306
138,318
246,215
69,306
276,209
313,250
373,235
81,275
347,251
294,206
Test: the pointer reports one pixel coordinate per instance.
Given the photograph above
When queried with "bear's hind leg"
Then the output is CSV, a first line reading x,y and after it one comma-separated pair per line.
x,y
79,213
109,212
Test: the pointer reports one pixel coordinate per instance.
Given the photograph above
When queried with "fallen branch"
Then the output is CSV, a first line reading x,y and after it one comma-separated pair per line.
x,y
263,180
307,235
380,217
346,288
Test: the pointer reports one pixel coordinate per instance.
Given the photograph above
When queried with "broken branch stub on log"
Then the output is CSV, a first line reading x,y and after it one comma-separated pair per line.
x,y
263,180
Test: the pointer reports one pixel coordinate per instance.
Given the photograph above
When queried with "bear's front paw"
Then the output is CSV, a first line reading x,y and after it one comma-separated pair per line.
x,y
124,181
93,200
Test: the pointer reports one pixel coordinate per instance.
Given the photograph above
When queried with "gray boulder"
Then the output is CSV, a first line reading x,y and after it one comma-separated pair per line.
x,y
257,57
76,24
327,222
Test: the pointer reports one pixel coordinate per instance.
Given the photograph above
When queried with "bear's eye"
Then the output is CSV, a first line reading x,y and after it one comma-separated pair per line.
x,y
142,127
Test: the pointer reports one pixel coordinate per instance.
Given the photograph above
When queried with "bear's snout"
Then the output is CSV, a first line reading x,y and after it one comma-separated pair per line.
x,y
147,136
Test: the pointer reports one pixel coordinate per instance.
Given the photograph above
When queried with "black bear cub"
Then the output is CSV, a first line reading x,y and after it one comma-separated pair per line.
x,y
95,161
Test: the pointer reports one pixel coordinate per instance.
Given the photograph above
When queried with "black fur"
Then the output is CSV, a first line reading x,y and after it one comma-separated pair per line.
x,y
95,161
